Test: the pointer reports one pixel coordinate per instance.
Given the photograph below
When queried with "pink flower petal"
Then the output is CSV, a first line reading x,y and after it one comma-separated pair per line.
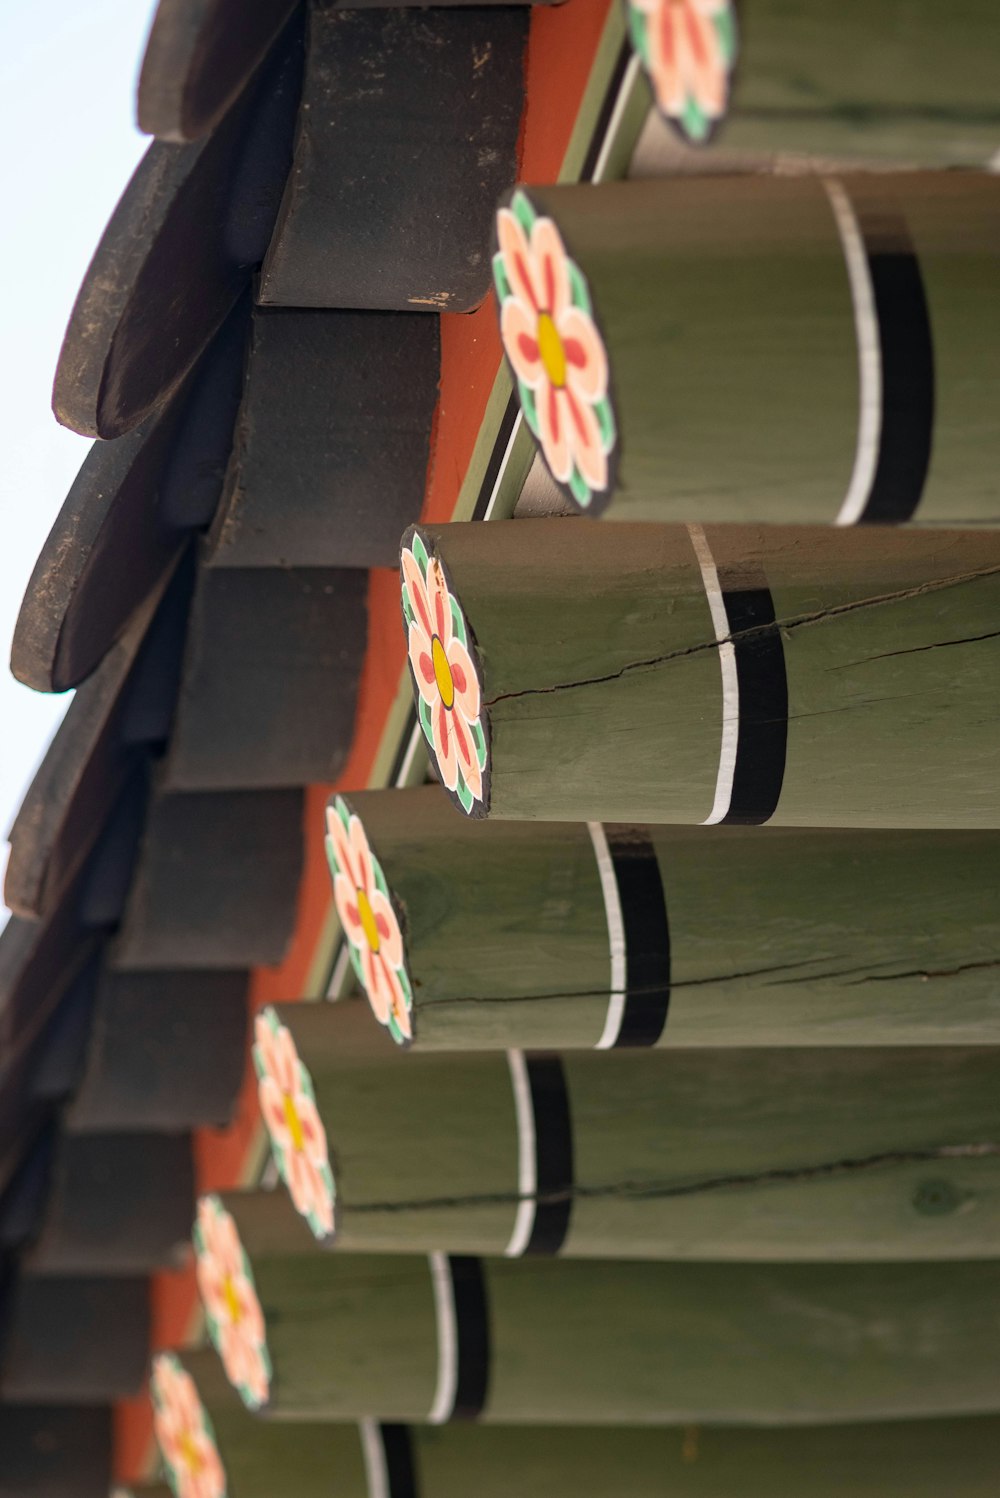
x,y
519,332
444,746
401,1014
586,360
585,440
440,600
266,1044
518,260
272,1107
553,434
665,65
345,897
468,698
362,856
416,590
701,60
418,645
471,772
553,271
373,971
341,841
390,936
287,1070
313,1132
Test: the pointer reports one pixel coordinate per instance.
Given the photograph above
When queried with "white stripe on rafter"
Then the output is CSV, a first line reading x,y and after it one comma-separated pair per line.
x,y
502,471
447,1340
527,1177
618,114
869,355
730,681
373,1450
616,936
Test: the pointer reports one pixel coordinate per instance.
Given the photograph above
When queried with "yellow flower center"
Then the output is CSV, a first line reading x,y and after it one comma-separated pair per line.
x,y
190,1453
550,347
367,916
294,1123
442,673
232,1300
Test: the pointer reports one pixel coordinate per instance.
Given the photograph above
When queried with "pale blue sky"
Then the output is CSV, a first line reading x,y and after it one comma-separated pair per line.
x,y
69,145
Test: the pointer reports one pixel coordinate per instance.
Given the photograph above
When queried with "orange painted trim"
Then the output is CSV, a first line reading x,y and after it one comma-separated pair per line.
x,y
562,46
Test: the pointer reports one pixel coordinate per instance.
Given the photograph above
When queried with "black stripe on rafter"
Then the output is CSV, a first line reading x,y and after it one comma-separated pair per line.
x,y
553,1153
763,704
397,1447
906,342
472,1322
647,936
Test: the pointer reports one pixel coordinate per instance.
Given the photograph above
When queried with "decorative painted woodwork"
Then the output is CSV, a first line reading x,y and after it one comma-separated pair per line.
x,y
911,86
119,717
200,56
126,519
270,677
897,1459
689,49
799,676
785,349
295,1130
81,1341
704,1154
501,1340
332,440
114,1204
184,1432
166,1051
178,251
216,881
378,217
579,935
370,920
55,1451
900,1459
233,1315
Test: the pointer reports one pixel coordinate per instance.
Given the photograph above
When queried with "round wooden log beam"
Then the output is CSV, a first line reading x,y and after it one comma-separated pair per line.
x,y
78,1341
902,1459
877,82
329,465
502,1340
399,220
801,676
742,349
568,935
719,1154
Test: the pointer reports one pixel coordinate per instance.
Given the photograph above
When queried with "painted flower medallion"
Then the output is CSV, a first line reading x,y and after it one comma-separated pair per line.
x,y
369,921
689,50
184,1432
445,677
556,352
232,1307
298,1138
